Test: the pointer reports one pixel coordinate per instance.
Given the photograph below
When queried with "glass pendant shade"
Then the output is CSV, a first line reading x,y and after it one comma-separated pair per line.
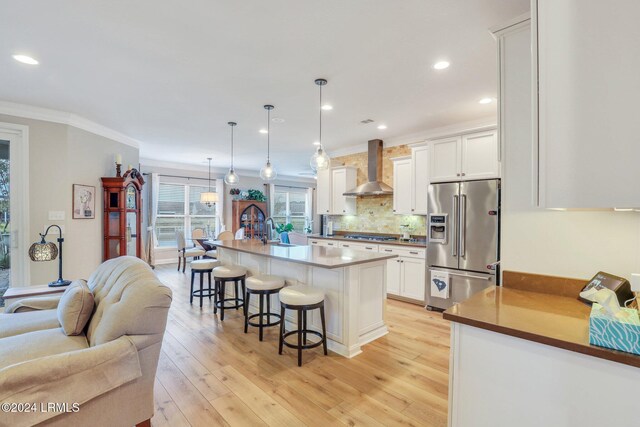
x,y
320,160
43,251
231,178
268,173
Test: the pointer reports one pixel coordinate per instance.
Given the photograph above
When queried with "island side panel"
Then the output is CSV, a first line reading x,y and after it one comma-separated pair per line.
x,y
371,297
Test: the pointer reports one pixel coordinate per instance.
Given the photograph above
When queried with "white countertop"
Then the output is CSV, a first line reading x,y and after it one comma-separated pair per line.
x,y
317,256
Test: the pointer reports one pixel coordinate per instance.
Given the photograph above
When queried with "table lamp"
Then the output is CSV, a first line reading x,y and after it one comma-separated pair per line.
x,y
47,251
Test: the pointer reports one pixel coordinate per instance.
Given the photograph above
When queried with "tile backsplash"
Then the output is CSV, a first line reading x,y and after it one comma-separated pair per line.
x,y
375,214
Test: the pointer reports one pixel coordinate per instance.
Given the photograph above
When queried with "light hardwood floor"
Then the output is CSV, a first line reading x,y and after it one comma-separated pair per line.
x,y
211,373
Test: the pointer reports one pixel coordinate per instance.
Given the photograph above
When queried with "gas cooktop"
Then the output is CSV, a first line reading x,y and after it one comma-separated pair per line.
x,y
371,237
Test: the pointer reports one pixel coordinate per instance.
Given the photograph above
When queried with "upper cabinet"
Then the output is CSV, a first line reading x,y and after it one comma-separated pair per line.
x,y
587,85
331,185
323,192
411,181
402,187
343,179
465,157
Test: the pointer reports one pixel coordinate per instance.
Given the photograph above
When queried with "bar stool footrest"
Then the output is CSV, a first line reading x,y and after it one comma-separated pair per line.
x,y
205,293
253,316
239,303
303,346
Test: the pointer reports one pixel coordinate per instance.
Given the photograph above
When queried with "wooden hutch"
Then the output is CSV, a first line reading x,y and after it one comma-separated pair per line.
x,y
250,215
123,215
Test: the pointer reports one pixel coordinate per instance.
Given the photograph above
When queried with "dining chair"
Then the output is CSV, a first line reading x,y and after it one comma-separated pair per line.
x,y
186,251
198,233
225,235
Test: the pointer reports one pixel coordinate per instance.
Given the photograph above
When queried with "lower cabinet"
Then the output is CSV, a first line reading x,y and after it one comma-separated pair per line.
x,y
406,274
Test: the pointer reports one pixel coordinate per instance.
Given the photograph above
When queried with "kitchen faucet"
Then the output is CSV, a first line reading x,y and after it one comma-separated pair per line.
x,y
268,236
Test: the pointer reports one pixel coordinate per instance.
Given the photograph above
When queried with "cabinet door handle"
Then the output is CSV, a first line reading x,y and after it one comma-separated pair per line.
x,y
412,210
463,174
345,246
457,174
413,253
343,211
368,247
388,250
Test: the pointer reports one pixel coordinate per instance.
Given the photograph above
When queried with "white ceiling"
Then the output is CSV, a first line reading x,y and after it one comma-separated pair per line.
x,y
172,73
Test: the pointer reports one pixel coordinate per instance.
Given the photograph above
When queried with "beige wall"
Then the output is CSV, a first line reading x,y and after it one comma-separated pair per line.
x,y
375,214
60,156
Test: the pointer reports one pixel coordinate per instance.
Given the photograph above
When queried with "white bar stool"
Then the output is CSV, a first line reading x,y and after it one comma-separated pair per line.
x,y
202,266
222,275
263,285
302,298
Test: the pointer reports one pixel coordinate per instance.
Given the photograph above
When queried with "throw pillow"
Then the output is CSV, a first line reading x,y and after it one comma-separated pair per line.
x,y
75,307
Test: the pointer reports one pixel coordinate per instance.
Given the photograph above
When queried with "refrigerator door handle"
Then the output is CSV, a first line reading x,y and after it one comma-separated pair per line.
x,y
463,224
471,276
454,227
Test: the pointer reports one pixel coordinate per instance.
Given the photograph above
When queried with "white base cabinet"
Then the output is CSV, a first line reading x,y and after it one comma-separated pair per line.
x,y
406,275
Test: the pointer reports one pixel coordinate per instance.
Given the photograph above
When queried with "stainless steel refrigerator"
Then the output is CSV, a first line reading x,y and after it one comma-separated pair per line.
x,y
463,240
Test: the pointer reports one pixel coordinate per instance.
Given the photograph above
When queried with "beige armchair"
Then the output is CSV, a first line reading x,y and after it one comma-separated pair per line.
x,y
108,370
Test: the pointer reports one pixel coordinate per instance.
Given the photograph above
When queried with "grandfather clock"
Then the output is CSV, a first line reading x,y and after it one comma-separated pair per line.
x,y
123,214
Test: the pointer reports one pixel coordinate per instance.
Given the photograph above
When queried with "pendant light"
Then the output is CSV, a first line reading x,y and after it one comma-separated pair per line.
x,y
209,197
320,159
268,173
231,178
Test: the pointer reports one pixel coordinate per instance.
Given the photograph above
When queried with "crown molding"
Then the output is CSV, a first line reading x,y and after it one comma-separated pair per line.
x,y
62,117
216,172
478,125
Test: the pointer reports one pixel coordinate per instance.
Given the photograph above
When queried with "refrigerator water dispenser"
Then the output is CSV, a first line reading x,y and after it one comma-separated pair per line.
x,y
438,228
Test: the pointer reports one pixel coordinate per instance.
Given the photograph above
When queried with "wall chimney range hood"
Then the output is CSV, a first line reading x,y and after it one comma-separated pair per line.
x,y
375,186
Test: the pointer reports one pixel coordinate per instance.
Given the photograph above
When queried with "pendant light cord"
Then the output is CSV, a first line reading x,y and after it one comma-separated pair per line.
x,y
268,133
209,174
320,136
231,147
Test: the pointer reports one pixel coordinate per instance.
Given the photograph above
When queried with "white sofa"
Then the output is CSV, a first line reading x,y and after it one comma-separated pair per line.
x,y
109,370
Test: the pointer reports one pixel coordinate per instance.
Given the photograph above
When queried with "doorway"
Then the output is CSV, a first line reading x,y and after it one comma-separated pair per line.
x,y
14,202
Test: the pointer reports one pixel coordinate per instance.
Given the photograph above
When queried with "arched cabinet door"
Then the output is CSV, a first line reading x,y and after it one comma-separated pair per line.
x,y
250,215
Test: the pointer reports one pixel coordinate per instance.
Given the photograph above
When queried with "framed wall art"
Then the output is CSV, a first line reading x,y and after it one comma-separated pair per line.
x,y
84,201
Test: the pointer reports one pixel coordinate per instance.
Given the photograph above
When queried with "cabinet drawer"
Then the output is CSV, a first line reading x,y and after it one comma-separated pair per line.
x,y
404,251
323,242
359,246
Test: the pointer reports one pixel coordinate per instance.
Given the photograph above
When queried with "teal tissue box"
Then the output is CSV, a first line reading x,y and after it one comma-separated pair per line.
x,y
618,334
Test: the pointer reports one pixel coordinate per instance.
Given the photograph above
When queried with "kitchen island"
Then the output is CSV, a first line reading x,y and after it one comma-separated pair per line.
x,y
354,283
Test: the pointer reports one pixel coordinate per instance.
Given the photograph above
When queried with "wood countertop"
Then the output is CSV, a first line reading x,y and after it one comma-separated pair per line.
x,y
311,255
554,320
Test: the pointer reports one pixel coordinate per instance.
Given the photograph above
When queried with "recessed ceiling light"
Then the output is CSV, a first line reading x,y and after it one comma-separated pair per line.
x,y
316,143
486,101
263,131
25,59
441,65
382,127
277,120
327,107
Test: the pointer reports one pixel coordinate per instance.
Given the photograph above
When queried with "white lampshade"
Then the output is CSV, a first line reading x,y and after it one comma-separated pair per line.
x,y
208,198
320,160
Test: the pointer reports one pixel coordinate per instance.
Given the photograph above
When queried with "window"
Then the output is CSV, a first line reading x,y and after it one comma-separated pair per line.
x,y
291,205
179,208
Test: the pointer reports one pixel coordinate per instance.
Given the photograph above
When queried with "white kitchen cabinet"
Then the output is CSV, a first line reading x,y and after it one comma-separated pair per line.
x,y
359,246
419,178
445,161
332,183
406,275
402,187
480,155
343,179
465,157
323,192
587,81
323,242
